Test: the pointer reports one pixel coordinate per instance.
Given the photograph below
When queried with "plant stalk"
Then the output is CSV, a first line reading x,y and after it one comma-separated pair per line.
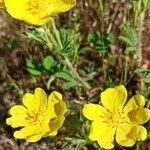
x,y
81,80
139,48
126,68
140,37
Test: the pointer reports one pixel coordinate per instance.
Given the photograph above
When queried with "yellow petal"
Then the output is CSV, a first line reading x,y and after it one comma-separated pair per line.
x,y
94,112
36,102
60,6
103,133
137,101
122,137
31,133
143,133
114,98
37,12
15,8
60,108
19,116
29,101
44,10
137,133
55,125
18,121
18,110
139,116
128,134
53,99
41,98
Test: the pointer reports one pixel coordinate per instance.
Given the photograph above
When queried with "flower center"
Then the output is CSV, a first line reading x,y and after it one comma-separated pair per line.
x,y
115,118
36,6
39,117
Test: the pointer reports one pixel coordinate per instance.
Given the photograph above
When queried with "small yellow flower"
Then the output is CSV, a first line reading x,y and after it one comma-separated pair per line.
x,y
39,117
113,120
37,12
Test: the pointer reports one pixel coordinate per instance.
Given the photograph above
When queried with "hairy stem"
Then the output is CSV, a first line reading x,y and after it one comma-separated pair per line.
x,y
73,70
126,68
139,46
75,73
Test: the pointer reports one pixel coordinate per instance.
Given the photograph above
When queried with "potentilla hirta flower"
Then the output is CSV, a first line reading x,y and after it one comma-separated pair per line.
x,y
37,12
114,121
39,116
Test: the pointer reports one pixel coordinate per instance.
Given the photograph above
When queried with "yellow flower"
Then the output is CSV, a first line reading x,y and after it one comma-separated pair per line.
x,y
39,117
37,12
113,120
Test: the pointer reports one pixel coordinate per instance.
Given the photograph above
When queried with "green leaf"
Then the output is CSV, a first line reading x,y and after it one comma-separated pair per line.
x,y
70,41
48,62
126,41
68,85
34,72
32,68
111,38
64,75
30,63
84,50
147,80
92,37
102,45
129,38
10,43
37,34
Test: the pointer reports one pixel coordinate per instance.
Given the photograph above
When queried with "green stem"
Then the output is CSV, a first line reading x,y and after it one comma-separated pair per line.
x,y
13,83
138,146
126,68
56,33
81,80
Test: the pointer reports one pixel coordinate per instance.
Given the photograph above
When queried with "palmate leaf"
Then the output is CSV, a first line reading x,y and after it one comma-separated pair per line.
x,y
129,38
126,41
37,34
100,42
70,41
146,74
64,75
71,82
32,68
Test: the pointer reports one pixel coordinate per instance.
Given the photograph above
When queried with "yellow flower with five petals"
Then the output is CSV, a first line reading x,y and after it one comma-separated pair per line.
x,y
39,117
114,121
37,12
